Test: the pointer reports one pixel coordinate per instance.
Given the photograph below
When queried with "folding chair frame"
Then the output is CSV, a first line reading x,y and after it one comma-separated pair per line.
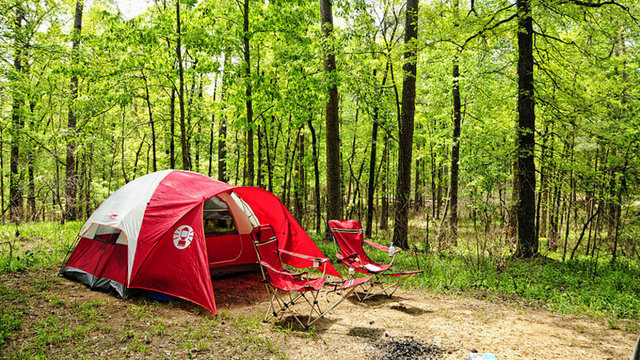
x,y
282,301
386,289
355,264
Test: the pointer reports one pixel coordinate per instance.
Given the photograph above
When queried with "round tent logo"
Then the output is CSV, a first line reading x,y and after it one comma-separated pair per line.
x,y
182,236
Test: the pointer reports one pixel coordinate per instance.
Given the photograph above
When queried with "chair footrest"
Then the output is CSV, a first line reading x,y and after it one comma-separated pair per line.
x,y
401,272
354,282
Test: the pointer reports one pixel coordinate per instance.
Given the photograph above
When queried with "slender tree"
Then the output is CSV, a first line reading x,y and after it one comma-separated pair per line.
x,y
455,147
405,140
526,177
16,208
71,184
246,50
222,129
186,156
455,154
372,160
151,120
316,173
332,122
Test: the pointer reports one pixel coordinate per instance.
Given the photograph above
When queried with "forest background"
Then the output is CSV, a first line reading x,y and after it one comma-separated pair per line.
x,y
469,131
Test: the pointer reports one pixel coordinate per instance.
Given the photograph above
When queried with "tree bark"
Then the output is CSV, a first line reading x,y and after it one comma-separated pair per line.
x,y
372,167
222,131
153,128
405,146
316,173
172,128
248,100
371,188
332,122
31,188
71,182
1,175
16,208
455,153
300,180
527,238
186,156
384,204
211,126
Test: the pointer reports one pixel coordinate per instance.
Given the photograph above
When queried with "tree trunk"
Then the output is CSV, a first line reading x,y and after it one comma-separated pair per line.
x,y
543,202
71,184
211,126
372,165
455,153
31,188
527,240
332,122
153,128
405,141
123,149
432,156
384,206
2,210
186,156
172,128
222,130
16,209
371,188
88,208
248,100
269,157
260,151
316,173
300,180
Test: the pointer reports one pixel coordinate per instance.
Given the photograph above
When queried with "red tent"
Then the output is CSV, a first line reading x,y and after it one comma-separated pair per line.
x,y
164,231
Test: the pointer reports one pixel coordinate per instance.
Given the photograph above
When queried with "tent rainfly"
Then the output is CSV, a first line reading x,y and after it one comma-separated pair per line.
x,y
167,231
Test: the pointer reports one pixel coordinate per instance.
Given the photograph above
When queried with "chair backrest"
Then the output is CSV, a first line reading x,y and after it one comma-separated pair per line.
x,y
266,243
348,235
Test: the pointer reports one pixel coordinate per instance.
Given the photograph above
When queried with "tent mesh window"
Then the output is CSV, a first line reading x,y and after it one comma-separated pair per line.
x,y
107,234
217,218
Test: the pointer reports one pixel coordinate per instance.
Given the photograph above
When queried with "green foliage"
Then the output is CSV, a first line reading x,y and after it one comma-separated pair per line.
x,y
39,245
579,286
10,322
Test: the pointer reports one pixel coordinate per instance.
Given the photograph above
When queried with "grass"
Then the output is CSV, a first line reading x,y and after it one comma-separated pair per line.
x,y
579,286
35,245
54,322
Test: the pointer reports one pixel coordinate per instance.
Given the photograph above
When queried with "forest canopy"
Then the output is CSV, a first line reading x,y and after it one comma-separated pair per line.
x,y
521,125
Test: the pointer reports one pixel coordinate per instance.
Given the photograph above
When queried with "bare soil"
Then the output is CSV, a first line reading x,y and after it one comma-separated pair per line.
x,y
411,324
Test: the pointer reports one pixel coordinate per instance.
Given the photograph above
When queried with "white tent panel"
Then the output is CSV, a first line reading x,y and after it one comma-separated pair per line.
x,y
125,209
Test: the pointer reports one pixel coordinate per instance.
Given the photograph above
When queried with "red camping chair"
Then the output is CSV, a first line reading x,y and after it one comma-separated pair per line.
x,y
347,234
285,288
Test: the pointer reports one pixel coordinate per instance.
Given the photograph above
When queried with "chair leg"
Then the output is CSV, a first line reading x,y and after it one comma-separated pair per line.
x,y
387,290
369,292
271,311
333,305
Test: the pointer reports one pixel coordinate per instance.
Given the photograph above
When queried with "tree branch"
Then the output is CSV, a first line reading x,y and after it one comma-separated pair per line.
x,y
479,33
603,3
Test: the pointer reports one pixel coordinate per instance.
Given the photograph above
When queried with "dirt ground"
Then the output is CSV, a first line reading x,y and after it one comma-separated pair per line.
x,y
413,324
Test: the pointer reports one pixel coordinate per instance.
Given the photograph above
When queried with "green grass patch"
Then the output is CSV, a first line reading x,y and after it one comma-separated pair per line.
x,y
9,323
37,245
579,286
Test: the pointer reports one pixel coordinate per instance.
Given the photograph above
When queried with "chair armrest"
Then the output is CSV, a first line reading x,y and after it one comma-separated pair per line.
x,y
381,247
350,257
305,257
271,268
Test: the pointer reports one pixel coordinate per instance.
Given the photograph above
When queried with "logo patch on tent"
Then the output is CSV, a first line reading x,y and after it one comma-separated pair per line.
x,y
183,236
113,217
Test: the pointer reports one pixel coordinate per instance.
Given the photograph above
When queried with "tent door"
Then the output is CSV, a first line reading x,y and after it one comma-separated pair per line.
x,y
224,244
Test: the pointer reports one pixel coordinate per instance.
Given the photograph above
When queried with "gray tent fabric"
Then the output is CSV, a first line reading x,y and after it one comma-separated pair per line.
x,y
636,352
